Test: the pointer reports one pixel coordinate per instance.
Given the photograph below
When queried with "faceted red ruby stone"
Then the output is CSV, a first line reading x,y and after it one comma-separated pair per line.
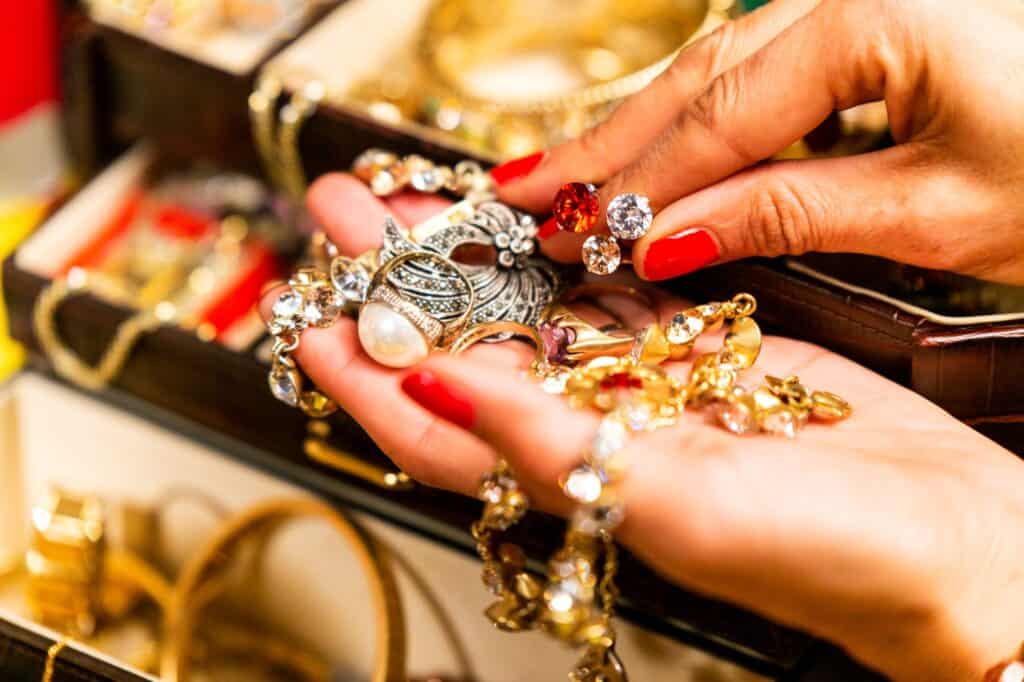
x,y
576,207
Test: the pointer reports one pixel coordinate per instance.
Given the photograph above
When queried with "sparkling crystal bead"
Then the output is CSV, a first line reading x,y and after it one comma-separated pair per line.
x,y
610,438
597,518
576,207
583,484
284,386
322,307
685,327
287,305
629,216
737,416
494,486
780,422
601,254
350,279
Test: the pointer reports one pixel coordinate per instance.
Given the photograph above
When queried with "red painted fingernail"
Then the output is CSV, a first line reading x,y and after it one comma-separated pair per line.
x,y
516,168
548,228
679,254
427,390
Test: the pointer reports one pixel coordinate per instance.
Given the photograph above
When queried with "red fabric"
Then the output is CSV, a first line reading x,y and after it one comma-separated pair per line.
x,y
28,55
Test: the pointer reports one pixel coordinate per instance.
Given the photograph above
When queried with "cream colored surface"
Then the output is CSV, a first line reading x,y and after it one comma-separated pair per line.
x,y
310,586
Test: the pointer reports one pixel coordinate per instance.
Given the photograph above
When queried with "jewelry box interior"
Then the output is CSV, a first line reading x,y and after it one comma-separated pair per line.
x,y
310,587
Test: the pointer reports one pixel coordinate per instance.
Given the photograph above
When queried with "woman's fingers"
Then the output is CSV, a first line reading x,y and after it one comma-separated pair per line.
x,y
429,449
611,146
353,217
539,434
877,203
829,59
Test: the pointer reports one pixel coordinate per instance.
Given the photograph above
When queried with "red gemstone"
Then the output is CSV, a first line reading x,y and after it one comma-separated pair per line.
x,y
621,380
576,207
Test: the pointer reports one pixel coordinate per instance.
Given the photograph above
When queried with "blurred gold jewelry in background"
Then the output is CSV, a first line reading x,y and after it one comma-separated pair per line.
x,y
509,77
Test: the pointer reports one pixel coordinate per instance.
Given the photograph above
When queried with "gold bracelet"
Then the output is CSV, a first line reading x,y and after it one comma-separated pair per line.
x,y
189,597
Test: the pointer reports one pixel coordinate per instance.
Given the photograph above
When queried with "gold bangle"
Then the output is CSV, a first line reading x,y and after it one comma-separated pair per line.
x,y
181,616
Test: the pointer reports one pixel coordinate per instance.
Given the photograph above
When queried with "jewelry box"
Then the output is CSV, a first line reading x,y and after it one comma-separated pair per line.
x,y
311,586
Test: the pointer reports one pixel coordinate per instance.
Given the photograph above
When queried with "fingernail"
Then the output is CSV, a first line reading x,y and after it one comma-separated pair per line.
x,y
548,228
679,254
516,168
427,390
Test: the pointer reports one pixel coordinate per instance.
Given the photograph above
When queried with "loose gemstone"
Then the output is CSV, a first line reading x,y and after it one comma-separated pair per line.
x,y
601,254
629,216
780,422
350,279
556,342
283,386
583,484
684,328
576,207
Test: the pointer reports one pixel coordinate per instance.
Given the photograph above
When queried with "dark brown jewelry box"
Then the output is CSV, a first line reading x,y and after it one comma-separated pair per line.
x,y
23,655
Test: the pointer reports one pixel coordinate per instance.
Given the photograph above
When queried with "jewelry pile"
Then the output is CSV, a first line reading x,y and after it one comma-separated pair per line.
x,y
428,301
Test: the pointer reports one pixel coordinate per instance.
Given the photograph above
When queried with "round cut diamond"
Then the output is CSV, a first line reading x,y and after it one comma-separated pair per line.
x,y
684,328
583,484
576,207
350,279
601,254
629,216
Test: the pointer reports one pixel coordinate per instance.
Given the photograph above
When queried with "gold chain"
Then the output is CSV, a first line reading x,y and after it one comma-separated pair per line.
x,y
51,658
65,362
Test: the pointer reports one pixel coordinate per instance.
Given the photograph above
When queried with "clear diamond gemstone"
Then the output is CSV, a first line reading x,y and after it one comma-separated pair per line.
x,y
350,279
629,216
506,259
583,484
610,438
283,386
494,487
601,254
288,305
426,180
684,328
780,422
502,240
383,183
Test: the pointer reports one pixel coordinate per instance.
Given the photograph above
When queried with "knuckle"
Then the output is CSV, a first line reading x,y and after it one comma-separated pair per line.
x,y
707,58
712,109
595,147
783,220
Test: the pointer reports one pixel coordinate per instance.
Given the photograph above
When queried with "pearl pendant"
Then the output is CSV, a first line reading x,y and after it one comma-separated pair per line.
x,y
389,337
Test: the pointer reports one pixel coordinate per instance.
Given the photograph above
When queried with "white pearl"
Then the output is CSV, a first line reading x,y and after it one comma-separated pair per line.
x,y
389,337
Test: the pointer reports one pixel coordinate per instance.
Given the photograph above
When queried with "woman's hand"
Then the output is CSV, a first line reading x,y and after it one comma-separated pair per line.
x,y
947,195
895,533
